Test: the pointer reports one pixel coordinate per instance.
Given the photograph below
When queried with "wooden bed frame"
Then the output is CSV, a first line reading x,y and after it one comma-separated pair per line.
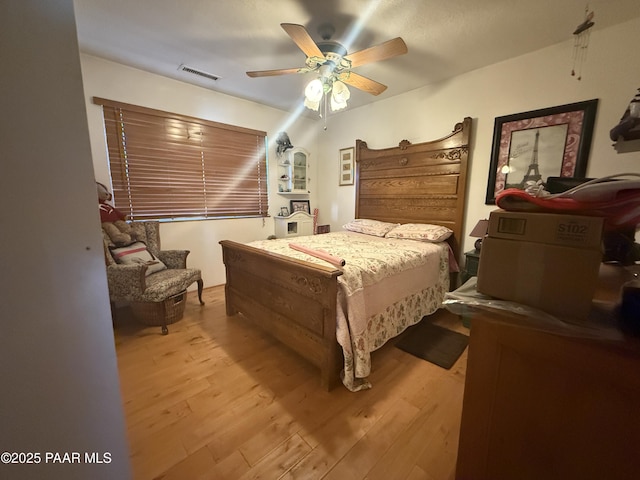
x,y
295,301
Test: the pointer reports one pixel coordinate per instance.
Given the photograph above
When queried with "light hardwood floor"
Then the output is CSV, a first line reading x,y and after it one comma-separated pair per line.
x,y
218,399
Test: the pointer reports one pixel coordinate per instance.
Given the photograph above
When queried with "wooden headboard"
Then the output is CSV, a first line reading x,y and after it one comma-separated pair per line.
x,y
416,183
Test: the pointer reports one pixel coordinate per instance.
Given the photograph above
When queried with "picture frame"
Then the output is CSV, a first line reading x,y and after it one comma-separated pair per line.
x,y
300,206
531,146
284,212
346,173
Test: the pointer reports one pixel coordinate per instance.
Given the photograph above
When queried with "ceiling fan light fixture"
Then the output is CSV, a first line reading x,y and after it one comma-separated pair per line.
x,y
313,94
314,90
339,96
336,105
312,105
340,91
334,91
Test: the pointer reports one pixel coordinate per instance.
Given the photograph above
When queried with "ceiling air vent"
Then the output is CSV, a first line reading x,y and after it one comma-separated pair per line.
x,y
210,76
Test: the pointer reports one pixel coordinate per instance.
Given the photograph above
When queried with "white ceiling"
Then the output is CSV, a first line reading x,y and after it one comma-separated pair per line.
x,y
445,38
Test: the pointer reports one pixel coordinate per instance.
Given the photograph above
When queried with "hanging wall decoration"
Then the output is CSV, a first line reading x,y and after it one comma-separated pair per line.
x,y
283,143
581,43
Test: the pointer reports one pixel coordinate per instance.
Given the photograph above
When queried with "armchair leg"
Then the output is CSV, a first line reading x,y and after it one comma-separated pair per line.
x,y
165,330
200,286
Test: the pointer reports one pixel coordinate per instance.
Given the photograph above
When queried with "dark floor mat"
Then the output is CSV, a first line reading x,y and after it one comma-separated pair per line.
x,y
433,343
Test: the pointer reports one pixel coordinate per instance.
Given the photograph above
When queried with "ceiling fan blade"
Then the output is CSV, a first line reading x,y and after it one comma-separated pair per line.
x,y
362,83
272,73
302,39
388,49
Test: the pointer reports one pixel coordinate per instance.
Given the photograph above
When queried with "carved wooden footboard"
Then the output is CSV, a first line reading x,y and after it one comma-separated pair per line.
x,y
294,301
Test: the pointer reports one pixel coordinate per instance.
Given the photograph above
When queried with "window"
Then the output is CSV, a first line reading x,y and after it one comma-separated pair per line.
x,y
165,165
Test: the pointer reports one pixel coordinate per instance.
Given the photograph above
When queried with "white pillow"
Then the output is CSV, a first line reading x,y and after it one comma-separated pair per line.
x,y
369,227
420,231
137,253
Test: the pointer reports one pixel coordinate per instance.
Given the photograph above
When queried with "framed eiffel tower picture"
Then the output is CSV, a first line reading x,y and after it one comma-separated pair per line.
x,y
530,147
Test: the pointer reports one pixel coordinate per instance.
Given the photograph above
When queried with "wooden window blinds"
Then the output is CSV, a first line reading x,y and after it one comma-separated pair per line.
x,y
166,165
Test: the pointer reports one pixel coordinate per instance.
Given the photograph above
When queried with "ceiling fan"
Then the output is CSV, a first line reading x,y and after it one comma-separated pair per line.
x,y
334,65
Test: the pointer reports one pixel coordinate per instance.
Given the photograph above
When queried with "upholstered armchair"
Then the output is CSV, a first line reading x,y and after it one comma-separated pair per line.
x,y
149,277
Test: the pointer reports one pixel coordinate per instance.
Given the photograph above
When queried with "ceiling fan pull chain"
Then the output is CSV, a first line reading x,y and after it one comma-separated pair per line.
x,y
324,107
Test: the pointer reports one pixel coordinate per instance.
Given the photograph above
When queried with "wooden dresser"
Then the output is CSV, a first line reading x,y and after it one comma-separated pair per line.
x,y
551,403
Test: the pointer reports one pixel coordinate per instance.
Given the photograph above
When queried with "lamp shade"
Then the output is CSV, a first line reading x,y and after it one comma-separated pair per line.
x,y
339,96
480,230
336,93
313,93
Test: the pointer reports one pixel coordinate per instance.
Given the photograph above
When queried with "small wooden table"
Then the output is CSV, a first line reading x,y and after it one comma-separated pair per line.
x,y
471,263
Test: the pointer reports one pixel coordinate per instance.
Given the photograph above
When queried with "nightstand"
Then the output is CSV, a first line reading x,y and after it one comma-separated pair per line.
x,y
471,262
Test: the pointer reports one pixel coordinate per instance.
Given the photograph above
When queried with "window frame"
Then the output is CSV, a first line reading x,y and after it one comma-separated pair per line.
x,y
168,166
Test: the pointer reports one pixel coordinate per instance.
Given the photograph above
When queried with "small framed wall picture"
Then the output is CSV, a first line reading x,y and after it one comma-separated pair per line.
x,y
300,206
346,166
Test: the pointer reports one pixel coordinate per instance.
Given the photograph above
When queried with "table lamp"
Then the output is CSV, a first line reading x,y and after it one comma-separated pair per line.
x,y
479,232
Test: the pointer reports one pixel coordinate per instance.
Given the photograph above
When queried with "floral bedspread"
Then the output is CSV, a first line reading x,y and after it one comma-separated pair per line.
x,y
387,285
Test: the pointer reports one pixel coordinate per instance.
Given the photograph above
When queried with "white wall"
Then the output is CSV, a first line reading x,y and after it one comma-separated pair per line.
x,y
58,365
116,82
538,80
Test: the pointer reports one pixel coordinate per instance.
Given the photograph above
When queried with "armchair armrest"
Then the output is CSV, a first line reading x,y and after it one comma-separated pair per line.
x,y
126,281
174,258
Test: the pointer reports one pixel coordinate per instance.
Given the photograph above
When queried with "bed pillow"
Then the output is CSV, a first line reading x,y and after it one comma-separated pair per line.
x,y
369,227
137,252
421,231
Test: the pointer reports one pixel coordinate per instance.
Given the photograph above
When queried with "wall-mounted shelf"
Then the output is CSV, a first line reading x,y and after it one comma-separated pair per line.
x,y
626,135
626,146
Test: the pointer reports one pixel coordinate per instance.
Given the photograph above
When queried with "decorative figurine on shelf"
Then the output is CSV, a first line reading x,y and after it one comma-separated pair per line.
x,y
627,128
283,143
113,220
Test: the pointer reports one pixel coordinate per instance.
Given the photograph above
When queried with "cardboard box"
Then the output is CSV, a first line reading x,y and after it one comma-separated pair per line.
x,y
549,228
558,279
